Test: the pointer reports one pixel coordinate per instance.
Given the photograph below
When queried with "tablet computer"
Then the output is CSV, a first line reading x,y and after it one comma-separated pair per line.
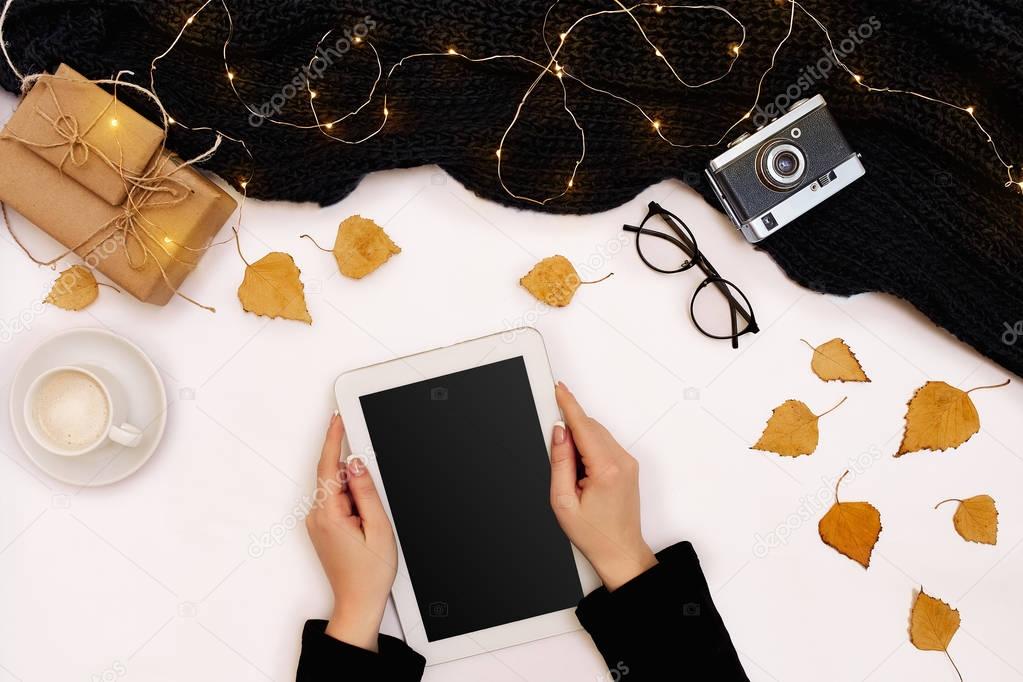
x,y
457,440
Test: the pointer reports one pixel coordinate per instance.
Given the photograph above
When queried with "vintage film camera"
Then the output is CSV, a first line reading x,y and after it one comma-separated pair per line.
x,y
768,178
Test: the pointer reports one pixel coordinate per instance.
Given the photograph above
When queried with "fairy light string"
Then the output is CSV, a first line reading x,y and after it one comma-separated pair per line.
x,y
552,67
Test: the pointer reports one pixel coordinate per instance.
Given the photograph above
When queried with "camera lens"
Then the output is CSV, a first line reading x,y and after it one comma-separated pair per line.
x,y
780,165
786,163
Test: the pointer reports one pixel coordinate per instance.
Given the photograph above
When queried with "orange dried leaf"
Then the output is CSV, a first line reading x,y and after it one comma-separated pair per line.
x,y
75,289
791,430
939,417
835,361
553,281
976,519
361,247
852,528
272,287
932,624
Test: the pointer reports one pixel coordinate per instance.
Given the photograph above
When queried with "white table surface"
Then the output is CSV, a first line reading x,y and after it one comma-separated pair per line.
x,y
152,578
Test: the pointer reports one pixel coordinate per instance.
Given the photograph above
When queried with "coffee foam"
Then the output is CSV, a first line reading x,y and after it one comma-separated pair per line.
x,y
71,410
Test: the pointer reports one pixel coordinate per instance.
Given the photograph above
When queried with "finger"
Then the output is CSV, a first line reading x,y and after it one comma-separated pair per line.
x,y
344,497
328,469
563,469
366,498
586,433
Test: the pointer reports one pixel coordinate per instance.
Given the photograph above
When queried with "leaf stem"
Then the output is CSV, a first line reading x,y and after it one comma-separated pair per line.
x,y
951,499
597,281
838,483
981,388
111,286
309,237
833,408
812,347
954,665
238,244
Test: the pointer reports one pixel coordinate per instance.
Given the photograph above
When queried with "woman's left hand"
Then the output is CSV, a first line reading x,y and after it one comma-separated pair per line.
x,y
355,542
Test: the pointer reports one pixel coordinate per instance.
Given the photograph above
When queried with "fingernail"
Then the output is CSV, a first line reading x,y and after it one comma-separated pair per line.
x,y
333,417
562,385
356,466
559,433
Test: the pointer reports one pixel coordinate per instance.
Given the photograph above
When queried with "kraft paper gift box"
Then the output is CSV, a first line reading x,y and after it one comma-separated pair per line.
x,y
63,165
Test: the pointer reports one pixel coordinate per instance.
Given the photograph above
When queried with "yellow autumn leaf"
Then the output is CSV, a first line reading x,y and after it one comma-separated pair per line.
x,y
835,361
940,417
75,289
932,624
852,528
976,519
554,281
791,430
272,287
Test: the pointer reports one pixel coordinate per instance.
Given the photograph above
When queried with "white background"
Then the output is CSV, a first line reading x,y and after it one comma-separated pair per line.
x,y
152,578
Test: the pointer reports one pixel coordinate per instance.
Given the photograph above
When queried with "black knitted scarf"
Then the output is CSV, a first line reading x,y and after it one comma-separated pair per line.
x,y
931,222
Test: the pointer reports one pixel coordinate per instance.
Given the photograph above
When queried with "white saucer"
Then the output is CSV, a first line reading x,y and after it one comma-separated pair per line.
x,y
146,407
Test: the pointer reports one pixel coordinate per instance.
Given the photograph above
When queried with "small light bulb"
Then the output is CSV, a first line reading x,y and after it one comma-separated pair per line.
x,y
170,121
451,50
563,36
114,123
190,19
735,50
658,8
747,115
571,183
244,184
356,40
657,125
658,52
858,78
1020,185
970,110
312,94
498,153
387,112
329,126
167,240
230,75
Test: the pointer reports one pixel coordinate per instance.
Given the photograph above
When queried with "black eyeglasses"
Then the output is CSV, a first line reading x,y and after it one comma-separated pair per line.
x,y
723,311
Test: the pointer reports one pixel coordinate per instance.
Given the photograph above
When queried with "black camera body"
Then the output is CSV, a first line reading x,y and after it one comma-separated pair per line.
x,y
767,179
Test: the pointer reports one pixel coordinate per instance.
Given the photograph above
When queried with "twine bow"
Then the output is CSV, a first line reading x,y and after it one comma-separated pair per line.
x,y
154,188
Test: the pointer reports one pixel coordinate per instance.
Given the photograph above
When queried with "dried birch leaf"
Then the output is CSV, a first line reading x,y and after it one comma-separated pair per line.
x,y
835,361
792,430
976,519
361,247
554,281
939,417
75,289
852,528
272,287
932,624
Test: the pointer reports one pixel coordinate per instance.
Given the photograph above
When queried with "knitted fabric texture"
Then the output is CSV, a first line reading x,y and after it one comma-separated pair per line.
x,y
931,222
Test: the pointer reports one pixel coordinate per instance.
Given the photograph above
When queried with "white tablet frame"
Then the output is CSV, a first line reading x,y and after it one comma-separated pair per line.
x,y
525,342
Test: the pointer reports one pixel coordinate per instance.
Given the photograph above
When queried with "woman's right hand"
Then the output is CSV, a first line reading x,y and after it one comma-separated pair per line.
x,y
598,511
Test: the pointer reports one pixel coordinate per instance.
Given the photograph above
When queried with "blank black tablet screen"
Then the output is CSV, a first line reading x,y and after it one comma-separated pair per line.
x,y
464,463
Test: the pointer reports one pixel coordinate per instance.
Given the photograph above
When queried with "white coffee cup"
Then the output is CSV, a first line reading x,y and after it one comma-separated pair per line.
x,y
69,411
